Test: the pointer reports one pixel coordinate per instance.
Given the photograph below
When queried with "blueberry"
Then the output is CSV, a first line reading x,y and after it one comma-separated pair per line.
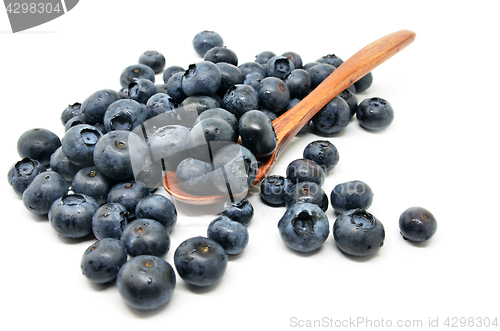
x,y
235,169
358,233
22,173
294,58
123,114
70,112
240,211
309,65
92,182
45,188
200,261
351,195
274,94
119,153
319,72
71,215
279,66
135,72
170,71
253,79
38,144
331,59
417,224
146,282
74,121
160,103
364,83
222,114
153,59
157,207
202,78
208,136
194,176
257,133
205,40
95,105
102,260
230,76
332,118
174,87
141,90
109,221
307,192
169,144
240,98
323,153
305,170
351,100
146,237
298,83
62,165
274,189
263,57
231,235
128,194
304,227
221,54
79,142
375,114
252,67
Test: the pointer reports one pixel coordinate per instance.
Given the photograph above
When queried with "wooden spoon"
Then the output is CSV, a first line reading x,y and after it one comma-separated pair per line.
x,y
287,125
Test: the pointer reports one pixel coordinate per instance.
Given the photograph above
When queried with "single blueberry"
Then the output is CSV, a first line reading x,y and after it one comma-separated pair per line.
x,y
253,79
351,100
351,195
128,194
74,121
205,40
307,192
364,83
95,105
298,83
375,114
323,153
141,90
160,103
60,163
331,59
22,173
71,215
170,71
295,58
274,94
45,188
146,237
263,57
109,221
274,189
257,133
123,114
153,59
79,142
417,224
240,98
70,112
252,67
193,106
102,260
135,72
240,211
221,54
90,181
200,261
202,78
38,144
222,114
305,170
146,282
174,87
304,227
332,118
279,66
319,72
231,235
230,76
157,207
358,233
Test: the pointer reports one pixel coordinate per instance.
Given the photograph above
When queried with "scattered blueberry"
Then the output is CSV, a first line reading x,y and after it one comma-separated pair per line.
x,y
169,144
124,114
274,189
38,144
79,142
157,207
135,72
146,237
279,66
417,224
170,71
160,103
200,261
240,98
351,100
221,54
141,90
323,153
331,59
332,118
22,173
70,112
153,59
208,136
358,233
174,87
62,165
307,192
128,194
252,67
304,227
305,170
95,105
146,282
45,188
257,133
230,76
351,195
375,114
202,78
274,94
231,235
92,182
263,57
109,221
102,260
240,211
205,40
222,114
298,83
294,58
364,83
319,72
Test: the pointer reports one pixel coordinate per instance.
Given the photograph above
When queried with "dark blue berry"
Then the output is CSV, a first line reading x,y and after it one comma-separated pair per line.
x,y
70,112
45,188
170,71
351,195
95,105
135,72
79,142
364,83
221,54
194,176
351,100
274,189
252,67
200,261
208,136
205,40
160,103
294,58
22,173
222,114
71,215
102,260
169,144
257,133
331,59
332,118
274,94
323,153
92,182
38,144
230,76
417,224
358,233
375,114
174,87
304,227
74,121
146,282
319,72
141,90
153,59
109,221
146,237
202,78
62,165
128,194
240,98
279,66
307,192
263,57
157,207
240,211
305,170
253,79
231,235
298,83
124,114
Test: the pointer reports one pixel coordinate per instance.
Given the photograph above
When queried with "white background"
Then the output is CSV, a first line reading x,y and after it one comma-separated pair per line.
x,y
439,153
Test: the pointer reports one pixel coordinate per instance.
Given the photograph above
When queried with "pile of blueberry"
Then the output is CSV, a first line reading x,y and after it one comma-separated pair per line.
x,y
100,178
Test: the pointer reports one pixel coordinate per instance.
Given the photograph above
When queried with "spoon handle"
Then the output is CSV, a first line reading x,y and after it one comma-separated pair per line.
x,y
287,125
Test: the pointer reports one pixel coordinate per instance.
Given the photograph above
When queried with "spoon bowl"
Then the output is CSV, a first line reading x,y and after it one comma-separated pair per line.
x,y
289,124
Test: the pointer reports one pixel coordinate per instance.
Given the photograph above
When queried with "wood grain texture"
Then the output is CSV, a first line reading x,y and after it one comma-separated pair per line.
x,y
289,124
